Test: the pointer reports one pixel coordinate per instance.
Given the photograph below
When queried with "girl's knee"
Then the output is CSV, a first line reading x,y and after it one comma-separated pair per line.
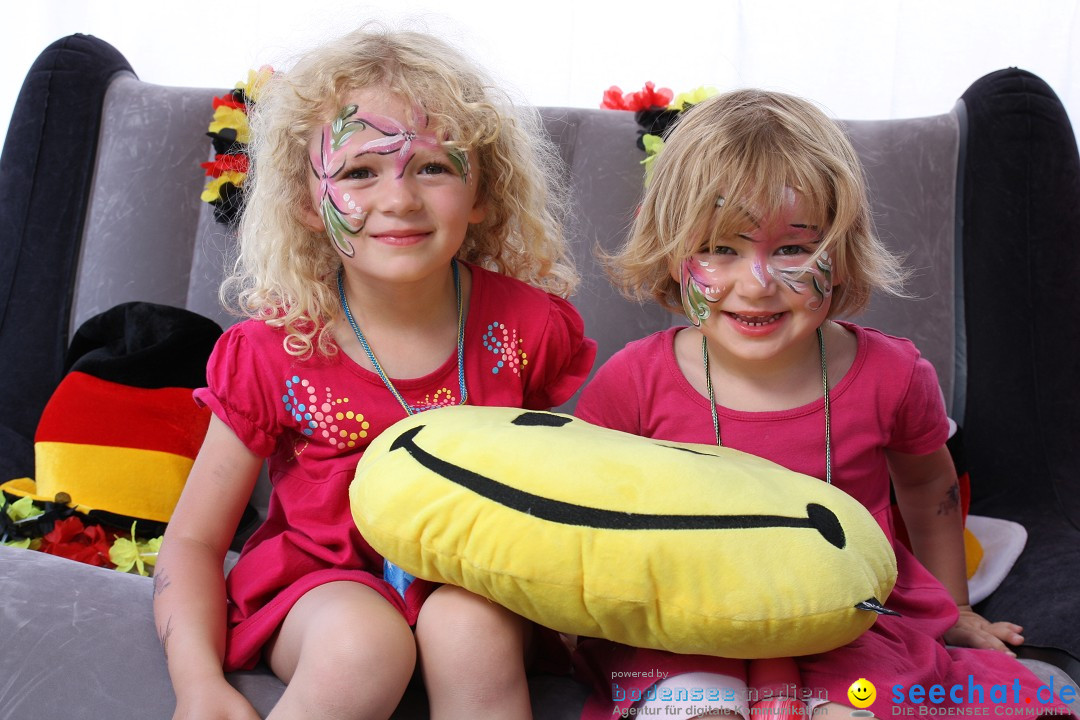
x,y
347,630
455,618
472,654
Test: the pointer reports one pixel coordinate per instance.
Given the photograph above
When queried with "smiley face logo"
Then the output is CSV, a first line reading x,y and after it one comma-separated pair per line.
x,y
862,693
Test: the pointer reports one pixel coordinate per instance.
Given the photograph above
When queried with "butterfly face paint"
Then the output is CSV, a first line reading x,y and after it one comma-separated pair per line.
x,y
814,280
702,285
341,214
400,139
780,253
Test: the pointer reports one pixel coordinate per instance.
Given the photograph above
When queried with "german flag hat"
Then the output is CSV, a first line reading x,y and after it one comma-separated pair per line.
x,y
121,431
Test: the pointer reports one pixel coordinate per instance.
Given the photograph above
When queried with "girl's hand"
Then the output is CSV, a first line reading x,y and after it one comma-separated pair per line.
x,y
975,631
217,701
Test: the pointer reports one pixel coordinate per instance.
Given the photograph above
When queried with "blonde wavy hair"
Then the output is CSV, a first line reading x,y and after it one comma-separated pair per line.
x,y
285,273
751,145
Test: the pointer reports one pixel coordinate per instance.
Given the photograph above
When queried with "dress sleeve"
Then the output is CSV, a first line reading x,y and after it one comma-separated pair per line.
x,y
237,394
611,399
564,357
921,423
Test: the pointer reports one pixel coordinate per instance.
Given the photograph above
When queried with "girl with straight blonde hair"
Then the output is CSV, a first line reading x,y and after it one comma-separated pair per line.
x,y
756,226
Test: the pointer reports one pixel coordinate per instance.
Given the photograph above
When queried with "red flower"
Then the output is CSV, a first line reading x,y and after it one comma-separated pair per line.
x,y
613,99
71,539
646,98
649,97
237,162
229,101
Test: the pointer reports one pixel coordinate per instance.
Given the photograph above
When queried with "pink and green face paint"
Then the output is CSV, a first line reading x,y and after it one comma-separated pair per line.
x,y
341,213
706,278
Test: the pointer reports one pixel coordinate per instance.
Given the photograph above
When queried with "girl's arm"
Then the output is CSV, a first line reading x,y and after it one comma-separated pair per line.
x,y
189,581
928,495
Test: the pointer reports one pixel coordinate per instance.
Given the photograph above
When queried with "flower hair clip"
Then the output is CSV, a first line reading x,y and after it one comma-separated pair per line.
x,y
228,133
655,110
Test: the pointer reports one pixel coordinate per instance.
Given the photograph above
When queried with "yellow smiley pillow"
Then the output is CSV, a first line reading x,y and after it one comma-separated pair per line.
x,y
594,532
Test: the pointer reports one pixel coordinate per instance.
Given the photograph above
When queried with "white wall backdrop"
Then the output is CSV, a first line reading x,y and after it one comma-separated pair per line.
x,y
858,58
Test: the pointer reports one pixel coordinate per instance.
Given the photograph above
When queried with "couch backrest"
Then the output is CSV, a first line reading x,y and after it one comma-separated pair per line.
x,y
148,236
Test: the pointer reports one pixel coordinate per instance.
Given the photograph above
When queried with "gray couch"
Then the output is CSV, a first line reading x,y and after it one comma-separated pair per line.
x,y
100,205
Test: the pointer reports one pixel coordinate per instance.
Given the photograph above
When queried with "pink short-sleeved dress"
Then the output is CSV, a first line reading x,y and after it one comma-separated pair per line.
x,y
889,399
313,419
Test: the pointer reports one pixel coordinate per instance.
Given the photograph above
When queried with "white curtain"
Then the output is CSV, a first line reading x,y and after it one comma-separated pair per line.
x,y
858,58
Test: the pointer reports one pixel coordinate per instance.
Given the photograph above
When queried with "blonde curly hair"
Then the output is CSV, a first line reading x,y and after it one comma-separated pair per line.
x,y
285,273
752,144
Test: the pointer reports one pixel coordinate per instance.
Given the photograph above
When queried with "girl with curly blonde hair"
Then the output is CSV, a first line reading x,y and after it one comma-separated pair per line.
x,y
400,250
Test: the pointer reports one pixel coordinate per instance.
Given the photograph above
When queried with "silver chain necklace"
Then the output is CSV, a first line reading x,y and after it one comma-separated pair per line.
x,y
409,409
824,385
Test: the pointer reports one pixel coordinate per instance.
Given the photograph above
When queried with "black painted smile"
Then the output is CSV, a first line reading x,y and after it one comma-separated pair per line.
x,y
818,517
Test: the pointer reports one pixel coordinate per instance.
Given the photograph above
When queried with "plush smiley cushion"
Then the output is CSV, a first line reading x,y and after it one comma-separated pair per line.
x,y
590,531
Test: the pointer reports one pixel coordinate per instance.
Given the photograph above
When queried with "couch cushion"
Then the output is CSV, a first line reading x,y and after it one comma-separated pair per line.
x,y
61,658
44,186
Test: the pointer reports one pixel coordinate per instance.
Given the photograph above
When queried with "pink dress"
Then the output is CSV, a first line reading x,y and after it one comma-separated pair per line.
x,y
889,399
313,419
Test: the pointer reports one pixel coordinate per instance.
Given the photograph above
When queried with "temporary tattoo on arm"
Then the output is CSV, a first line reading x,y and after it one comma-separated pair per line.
x,y
163,636
951,503
161,581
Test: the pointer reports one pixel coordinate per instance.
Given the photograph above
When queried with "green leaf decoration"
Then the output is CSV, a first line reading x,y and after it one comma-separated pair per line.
x,y
695,305
341,129
336,227
460,160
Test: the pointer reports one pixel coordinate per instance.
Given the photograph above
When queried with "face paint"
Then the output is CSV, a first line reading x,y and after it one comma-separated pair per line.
x,y
706,278
700,287
758,272
814,279
400,139
341,215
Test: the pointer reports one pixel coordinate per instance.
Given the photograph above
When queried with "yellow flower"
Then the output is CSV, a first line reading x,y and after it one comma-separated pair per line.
x,y
212,191
149,550
229,117
126,554
256,80
693,97
653,145
22,509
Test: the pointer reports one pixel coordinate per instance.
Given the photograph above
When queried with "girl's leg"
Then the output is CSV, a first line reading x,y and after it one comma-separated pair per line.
x,y
775,683
697,694
344,652
472,656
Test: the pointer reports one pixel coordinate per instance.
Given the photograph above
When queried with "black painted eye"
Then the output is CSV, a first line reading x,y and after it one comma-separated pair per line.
x,y
825,522
541,419
684,449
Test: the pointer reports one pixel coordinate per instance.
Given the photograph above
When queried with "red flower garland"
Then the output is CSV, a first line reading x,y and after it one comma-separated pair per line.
x,y
646,98
72,539
225,163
